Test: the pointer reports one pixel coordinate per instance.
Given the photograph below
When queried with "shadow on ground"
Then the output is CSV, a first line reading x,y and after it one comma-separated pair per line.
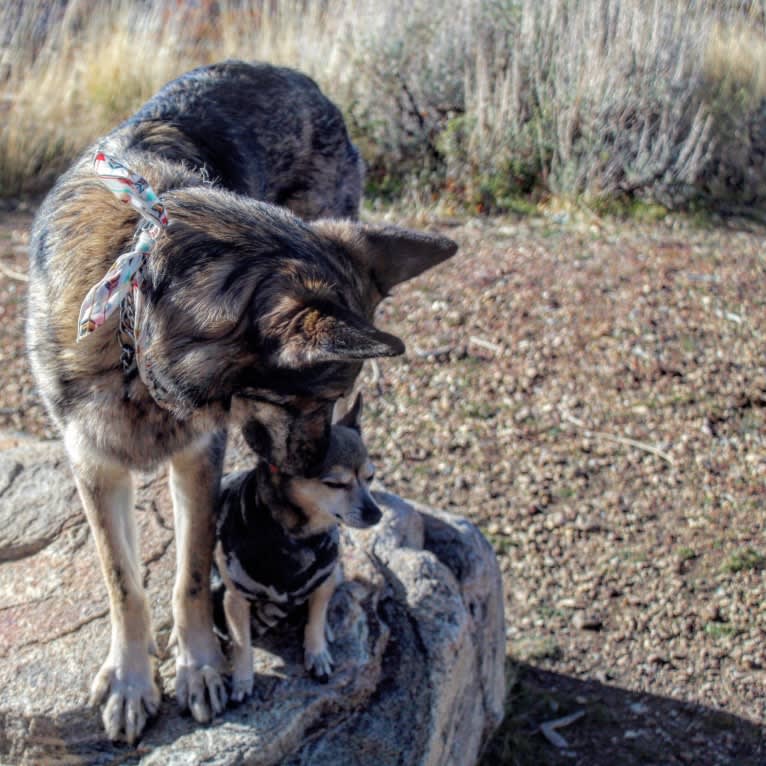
x,y
616,726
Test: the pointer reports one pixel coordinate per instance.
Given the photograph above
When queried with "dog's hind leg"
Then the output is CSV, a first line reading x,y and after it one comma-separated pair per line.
x,y
125,680
195,475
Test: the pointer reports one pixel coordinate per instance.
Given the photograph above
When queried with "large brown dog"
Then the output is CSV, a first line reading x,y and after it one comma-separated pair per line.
x,y
247,312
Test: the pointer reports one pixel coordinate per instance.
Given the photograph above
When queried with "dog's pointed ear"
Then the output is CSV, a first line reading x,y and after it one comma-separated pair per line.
x,y
353,418
396,255
310,331
392,254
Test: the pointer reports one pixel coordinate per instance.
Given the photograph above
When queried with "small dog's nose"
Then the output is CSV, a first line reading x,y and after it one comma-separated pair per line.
x,y
371,514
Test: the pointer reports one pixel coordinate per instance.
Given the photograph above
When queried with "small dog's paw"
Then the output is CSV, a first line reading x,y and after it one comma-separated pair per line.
x,y
201,690
241,688
319,664
328,633
131,698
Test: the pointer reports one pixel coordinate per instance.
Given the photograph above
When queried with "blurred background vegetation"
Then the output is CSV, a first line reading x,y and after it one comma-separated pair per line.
x,y
484,105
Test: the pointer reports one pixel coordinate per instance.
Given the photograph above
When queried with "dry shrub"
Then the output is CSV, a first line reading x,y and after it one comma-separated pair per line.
x,y
604,98
735,76
477,100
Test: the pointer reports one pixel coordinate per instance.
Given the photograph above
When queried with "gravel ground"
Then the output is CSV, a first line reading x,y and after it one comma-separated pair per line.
x,y
593,395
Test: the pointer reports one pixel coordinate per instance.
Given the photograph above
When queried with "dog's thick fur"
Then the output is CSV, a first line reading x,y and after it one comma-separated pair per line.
x,y
248,313
277,547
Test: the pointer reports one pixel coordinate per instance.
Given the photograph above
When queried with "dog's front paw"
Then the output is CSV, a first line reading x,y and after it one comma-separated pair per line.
x,y
319,663
241,687
201,690
242,672
131,697
200,687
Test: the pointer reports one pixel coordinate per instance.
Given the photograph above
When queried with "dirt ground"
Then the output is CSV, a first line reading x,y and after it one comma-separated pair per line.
x,y
592,394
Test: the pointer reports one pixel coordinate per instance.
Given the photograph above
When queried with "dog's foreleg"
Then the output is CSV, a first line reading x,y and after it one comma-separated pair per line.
x,y
195,476
125,680
237,609
317,657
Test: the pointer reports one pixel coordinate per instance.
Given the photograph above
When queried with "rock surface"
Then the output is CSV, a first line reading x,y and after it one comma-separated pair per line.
x,y
418,623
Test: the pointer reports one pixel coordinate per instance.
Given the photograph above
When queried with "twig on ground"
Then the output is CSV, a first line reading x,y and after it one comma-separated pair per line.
x,y
17,275
428,352
618,439
494,347
375,372
548,729
374,376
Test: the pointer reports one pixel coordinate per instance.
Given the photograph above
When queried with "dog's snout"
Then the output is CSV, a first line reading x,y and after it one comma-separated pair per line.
x,y
371,513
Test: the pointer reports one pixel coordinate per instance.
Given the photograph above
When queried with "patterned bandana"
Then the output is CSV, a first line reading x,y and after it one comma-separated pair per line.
x,y
124,278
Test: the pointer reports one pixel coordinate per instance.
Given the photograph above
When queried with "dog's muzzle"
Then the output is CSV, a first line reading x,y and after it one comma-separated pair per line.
x,y
371,513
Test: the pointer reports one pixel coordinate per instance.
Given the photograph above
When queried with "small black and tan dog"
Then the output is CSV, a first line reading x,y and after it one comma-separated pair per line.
x,y
278,545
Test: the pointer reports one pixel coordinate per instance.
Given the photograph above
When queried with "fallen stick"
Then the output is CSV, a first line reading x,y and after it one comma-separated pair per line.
x,y
485,344
17,275
618,439
548,729
425,353
375,376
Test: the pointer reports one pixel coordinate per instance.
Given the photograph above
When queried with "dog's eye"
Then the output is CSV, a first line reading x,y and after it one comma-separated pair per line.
x,y
335,484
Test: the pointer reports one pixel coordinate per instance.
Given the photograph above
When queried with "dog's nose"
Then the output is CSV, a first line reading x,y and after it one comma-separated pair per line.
x,y
371,514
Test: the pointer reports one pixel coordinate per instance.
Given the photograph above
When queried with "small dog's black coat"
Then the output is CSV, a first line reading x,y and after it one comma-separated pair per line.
x,y
275,570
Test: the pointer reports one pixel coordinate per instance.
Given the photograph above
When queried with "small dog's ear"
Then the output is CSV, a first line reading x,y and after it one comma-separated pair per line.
x,y
392,254
353,418
310,331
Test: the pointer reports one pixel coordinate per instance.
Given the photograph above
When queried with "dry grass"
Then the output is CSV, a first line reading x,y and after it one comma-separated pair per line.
x,y
72,77
737,54
475,101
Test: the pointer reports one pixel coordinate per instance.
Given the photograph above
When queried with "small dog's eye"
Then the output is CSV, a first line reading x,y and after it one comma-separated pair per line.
x,y
335,485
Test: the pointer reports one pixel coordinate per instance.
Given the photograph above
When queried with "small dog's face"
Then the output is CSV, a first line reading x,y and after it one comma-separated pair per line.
x,y
341,490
